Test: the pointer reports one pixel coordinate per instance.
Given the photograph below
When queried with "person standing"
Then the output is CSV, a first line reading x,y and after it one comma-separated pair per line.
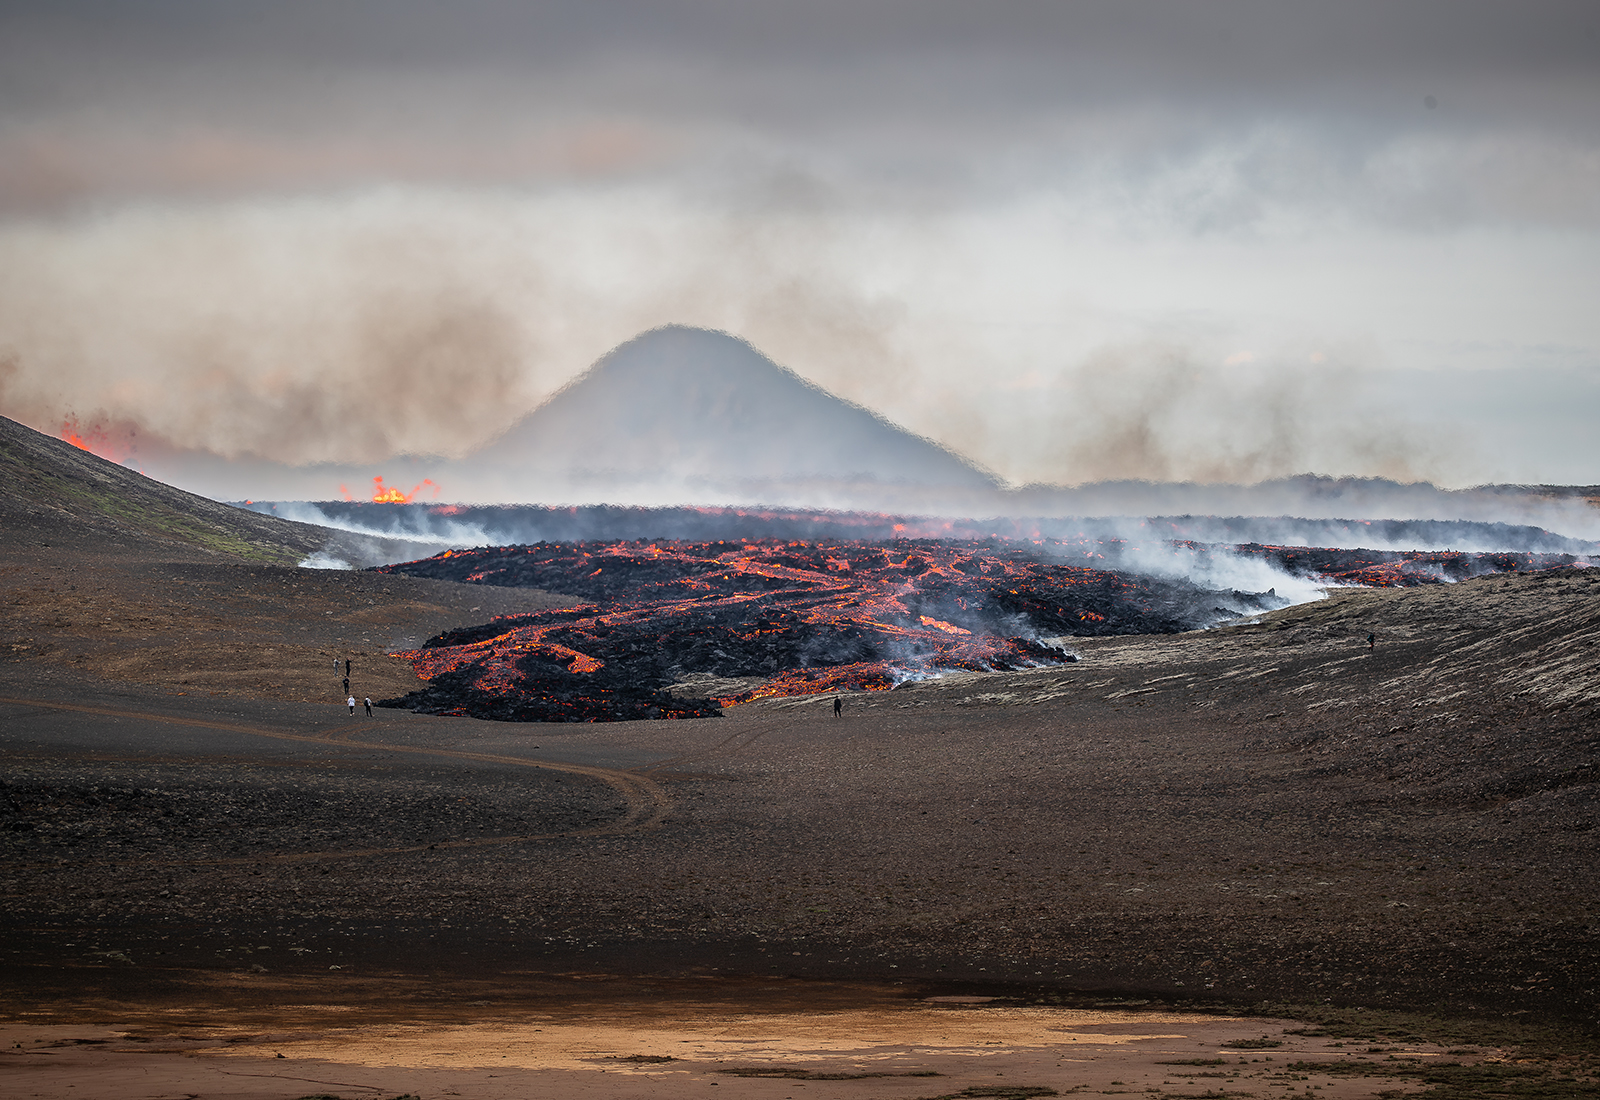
x,y
369,706
352,702
838,707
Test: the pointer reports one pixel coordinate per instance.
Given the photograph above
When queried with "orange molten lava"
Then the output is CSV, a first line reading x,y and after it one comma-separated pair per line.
x,y
391,494
803,618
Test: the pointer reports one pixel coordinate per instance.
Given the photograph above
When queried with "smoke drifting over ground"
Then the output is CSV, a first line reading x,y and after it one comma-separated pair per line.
x,y
467,526
1206,553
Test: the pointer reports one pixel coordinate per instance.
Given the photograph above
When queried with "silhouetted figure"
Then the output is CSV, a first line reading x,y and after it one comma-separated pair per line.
x,y
347,685
352,702
1372,640
838,707
369,706
347,667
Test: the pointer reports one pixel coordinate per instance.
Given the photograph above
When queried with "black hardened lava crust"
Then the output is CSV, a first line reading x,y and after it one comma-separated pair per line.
x,y
740,609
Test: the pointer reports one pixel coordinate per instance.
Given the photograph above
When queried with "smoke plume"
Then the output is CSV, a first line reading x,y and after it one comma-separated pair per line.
x,y
351,329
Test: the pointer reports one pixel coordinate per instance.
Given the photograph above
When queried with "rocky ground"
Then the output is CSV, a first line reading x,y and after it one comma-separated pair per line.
x,y
1267,812
1265,815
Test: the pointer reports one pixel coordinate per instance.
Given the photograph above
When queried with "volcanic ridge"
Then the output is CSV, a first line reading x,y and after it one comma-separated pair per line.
x,y
57,490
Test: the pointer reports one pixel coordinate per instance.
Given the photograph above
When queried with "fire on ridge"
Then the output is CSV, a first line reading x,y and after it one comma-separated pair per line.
x,y
392,494
802,617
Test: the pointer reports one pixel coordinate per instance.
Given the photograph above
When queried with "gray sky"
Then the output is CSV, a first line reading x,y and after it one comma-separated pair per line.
x,y
1074,241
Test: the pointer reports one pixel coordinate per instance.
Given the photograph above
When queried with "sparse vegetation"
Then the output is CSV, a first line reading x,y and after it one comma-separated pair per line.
x,y
996,1092
1494,1080
795,1073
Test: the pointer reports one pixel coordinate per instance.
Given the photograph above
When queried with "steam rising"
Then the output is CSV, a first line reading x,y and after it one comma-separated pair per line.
x,y
1195,549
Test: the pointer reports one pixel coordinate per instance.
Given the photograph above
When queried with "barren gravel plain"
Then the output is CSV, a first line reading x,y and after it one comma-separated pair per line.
x,y
1209,857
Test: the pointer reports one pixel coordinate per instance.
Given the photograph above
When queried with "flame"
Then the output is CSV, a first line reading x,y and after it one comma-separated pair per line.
x,y
390,494
69,432
93,439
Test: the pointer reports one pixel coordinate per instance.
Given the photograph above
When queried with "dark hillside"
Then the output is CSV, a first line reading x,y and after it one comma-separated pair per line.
x,y
55,491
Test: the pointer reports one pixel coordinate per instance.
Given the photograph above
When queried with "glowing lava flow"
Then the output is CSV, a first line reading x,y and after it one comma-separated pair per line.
x,y
785,618
759,620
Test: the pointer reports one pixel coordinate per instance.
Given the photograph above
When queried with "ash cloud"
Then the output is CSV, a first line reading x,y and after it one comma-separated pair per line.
x,y
1040,235
1167,411
357,328
299,331
354,328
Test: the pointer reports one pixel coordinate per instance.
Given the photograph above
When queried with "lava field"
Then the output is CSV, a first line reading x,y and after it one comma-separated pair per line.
x,y
806,618
811,617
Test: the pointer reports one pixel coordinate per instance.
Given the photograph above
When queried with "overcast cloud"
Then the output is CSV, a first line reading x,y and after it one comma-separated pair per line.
x,y
1212,241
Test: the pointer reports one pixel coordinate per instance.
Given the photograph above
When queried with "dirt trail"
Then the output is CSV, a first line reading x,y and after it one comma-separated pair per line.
x,y
647,802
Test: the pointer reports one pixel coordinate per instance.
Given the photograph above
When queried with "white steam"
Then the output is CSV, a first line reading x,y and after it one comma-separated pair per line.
x,y
1220,569
324,560
414,527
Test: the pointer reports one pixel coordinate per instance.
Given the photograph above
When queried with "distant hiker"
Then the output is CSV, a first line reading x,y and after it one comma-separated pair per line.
x,y
369,706
352,702
838,707
347,685
347,667
1372,640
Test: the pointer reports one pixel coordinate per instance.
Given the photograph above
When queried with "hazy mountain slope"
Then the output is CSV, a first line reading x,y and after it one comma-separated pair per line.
x,y
692,407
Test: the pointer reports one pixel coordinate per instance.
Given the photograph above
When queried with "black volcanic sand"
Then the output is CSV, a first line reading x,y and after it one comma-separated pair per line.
x,y
1265,814
197,626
